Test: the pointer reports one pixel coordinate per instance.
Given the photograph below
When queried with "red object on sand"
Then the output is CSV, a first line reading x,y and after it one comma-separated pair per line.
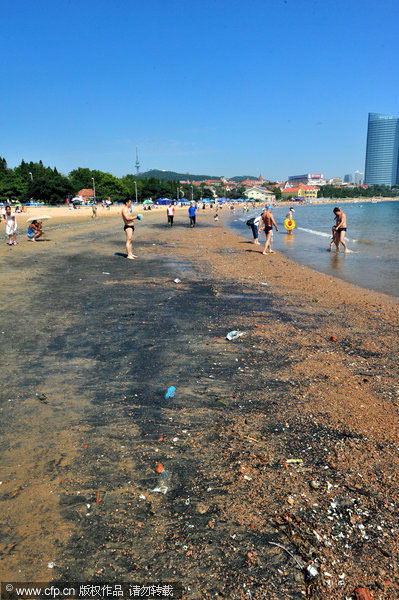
x,y
85,447
159,468
362,593
98,497
333,338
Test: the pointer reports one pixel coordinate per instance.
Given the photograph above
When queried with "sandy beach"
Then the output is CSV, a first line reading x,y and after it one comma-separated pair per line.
x,y
287,435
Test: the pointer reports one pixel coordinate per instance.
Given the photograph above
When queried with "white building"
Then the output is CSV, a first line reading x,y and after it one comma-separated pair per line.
x,y
359,178
259,194
306,179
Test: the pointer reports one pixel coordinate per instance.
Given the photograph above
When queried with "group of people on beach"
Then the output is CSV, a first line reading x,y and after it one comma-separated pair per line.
x,y
265,222
35,227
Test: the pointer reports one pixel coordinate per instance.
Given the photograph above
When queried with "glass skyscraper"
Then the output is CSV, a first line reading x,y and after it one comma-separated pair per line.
x,y
382,152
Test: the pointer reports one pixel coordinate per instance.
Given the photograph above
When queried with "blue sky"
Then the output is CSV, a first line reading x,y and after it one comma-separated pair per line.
x,y
277,87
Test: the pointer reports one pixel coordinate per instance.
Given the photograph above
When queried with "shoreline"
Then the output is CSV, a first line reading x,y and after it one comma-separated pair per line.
x,y
313,379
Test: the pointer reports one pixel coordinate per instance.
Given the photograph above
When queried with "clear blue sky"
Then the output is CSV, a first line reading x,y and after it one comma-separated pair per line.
x,y
221,87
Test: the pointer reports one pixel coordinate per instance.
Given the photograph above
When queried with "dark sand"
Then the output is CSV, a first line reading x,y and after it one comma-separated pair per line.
x,y
87,358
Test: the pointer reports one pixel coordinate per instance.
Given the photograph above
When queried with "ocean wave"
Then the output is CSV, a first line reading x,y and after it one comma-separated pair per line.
x,y
324,234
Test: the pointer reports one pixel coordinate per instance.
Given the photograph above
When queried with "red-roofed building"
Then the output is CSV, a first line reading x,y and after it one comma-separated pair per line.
x,y
86,193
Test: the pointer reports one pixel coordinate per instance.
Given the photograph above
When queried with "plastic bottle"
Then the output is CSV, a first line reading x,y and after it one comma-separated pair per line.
x,y
170,392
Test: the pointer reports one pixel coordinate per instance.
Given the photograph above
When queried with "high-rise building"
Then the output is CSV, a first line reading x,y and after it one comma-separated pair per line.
x,y
348,178
359,178
382,152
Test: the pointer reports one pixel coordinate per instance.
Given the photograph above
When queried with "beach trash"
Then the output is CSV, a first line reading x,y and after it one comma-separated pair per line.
x,y
312,571
333,338
160,468
177,280
362,593
234,335
170,392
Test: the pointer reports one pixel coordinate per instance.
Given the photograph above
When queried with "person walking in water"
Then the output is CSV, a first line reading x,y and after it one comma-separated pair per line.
x,y
170,211
290,218
266,223
128,221
11,226
339,229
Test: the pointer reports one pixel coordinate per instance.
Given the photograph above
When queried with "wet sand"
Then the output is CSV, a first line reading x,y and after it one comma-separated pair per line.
x,y
92,341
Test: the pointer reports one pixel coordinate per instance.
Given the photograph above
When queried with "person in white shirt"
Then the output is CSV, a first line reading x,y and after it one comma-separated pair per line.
x,y
11,226
170,211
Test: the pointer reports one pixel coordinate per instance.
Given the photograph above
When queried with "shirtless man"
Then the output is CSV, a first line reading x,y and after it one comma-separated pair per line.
x,y
266,223
339,229
128,220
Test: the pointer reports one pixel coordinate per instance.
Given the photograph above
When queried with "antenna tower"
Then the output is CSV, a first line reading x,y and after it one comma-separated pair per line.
x,y
137,162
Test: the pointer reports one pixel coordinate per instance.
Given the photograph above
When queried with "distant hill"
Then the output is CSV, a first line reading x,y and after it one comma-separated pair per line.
x,y
239,178
172,175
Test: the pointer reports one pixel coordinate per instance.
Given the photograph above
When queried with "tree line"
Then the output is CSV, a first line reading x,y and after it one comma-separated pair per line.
x,y
34,181
330,191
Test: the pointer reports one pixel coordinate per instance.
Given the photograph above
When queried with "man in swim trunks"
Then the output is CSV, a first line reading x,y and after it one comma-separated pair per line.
x,y
128,220
266,223
339,229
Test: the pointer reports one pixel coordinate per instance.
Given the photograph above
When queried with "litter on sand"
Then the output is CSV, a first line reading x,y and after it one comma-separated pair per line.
x,y
177,280
105,273
170,392
234,335
294,461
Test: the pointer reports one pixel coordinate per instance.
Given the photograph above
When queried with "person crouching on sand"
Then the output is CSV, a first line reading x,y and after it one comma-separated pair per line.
x,y
128,221
35,230
266,224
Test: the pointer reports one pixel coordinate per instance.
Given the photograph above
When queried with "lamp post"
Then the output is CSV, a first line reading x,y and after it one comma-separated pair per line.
x,y
192,193
94,188
31,176
135,185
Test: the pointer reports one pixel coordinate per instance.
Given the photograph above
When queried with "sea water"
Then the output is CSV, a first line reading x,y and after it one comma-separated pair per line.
x,y
372,238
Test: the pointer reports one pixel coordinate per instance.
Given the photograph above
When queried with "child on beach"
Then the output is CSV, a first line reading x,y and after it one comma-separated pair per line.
x,y
11,226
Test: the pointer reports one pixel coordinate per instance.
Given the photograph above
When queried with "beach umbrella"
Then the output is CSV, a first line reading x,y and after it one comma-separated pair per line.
x,y
38,218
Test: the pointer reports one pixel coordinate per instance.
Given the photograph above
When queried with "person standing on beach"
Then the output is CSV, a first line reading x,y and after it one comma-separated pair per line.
x,y
170,211
11,226
191,213
128,221
94,210
266,224
339,229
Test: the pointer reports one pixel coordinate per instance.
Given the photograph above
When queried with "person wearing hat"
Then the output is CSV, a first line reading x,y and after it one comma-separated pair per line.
x,y
289,214
266,224
290,217
254,225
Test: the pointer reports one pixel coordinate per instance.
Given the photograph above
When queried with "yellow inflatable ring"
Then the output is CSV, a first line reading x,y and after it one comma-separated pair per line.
x,y
289,224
